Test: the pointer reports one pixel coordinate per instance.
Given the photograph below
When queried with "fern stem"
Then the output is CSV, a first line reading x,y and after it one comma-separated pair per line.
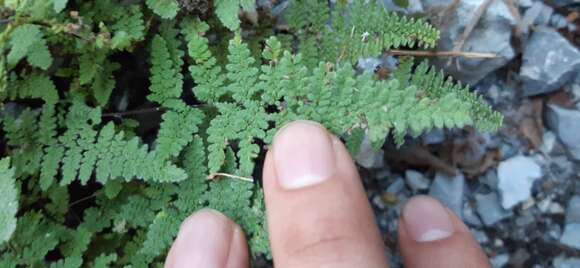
x,y
76,202
134,112
215,175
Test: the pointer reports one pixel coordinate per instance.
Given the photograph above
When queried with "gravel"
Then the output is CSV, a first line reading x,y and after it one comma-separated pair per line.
x,y
566,124
573,210
416,181
549,62
524,207
490,209
563,262
449,190
414,6
492,35
368,156
571,235
516,176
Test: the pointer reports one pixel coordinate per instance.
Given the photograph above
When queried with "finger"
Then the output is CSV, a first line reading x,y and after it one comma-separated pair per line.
x,y
430,235
208,239
318,213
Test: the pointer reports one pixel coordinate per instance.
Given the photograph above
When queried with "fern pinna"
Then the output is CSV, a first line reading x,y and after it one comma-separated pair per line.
x,y
82,185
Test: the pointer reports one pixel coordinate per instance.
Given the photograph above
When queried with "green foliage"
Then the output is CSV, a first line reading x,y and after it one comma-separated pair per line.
x,y
108,146
360,30
28,41
59,5
166,9
227,11
8,200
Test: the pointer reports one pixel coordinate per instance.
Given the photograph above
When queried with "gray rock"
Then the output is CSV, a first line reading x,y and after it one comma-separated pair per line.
x,y
538,14
489,208
500,261
416,181
368,64
378,202
490,179
573,210
555,208
516,176
563,3
525,219
480,236
563,262
415,6
558,21
368,157
548,142
525,3
571,235
575,90
449,190
549,206
396,186
434,136
554,232
549,61
491,35
566,124
470,217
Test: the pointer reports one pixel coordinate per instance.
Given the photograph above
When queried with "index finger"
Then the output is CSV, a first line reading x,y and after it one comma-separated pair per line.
x,y
318,213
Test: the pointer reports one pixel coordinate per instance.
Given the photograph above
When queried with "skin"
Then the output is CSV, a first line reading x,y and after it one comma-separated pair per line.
x,y
331,225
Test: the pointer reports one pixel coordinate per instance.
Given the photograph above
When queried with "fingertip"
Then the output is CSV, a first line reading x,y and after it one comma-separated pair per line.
x,y
426,219
304,155
309,176
208,239
431,235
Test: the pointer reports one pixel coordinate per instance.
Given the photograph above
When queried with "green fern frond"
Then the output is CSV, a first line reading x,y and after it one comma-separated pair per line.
x,y
176,131
166,78
137,177
190,192
9,200
35,236
59,5
104,261
72,262
241,73
128,29
96,71
28,41
227,11
161,232
236,124
358,30
35,86
206,72
166,9
170,34
75,242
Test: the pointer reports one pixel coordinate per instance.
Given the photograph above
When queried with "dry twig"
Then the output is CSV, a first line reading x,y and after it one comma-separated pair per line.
x,y
452,54
216,175
470,26
516,13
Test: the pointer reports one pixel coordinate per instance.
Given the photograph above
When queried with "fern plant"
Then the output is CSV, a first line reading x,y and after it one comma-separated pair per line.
x,y
84,182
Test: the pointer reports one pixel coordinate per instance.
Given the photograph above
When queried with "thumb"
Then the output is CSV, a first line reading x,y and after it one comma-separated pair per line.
x,y
430,235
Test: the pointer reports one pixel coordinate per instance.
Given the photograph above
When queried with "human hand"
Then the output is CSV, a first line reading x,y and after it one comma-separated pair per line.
x,y
319,216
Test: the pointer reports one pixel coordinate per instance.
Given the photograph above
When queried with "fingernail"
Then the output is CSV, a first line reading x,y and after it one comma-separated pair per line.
x,y
203,240
303,155
426,219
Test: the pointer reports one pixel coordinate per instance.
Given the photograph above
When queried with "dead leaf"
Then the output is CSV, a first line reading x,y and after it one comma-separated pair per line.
x,y
531,125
